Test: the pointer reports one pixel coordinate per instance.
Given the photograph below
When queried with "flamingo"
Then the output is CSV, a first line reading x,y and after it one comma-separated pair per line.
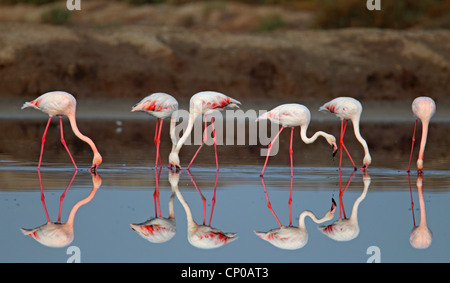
x,y
161,105
61,103
57,234
291,237
423,108
346,229
159,229
293,115
202,103
200,236
348,108
420,236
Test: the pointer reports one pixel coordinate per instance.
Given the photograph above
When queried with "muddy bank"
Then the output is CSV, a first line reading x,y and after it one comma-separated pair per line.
x,y
134,60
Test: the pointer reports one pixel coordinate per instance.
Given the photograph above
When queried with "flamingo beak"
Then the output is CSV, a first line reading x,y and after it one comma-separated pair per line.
x,y
176,168
333,205
93,169
334,148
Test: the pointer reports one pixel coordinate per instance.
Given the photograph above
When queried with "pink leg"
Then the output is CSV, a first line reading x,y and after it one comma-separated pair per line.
x,y
343,128
64,142
412,202
214,198
156,193
43,141
268,151
203,198
341,194
290,203
64,195
42,195
215,144
203,141
155,140
292,175
412,145
291,152
158,141
268,202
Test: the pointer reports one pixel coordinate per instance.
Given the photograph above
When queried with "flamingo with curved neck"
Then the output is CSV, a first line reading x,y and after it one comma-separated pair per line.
x,y
348,108
293,115
200,236
160,105
59,103
346,229
423,108
421,235
202,103
57,234
291,237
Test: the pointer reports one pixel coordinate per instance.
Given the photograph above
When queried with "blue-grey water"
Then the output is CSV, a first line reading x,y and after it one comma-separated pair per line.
x,y
387,213
102,231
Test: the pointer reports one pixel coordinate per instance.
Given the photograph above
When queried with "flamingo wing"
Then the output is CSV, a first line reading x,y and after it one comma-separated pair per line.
x,y
160,105
211,238
343,107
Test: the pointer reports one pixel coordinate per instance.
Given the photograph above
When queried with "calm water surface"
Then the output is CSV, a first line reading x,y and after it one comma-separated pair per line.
x,y
389,203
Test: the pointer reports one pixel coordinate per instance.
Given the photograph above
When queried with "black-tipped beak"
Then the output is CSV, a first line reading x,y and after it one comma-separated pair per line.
x,y
176,168
333,206
335,150
93,169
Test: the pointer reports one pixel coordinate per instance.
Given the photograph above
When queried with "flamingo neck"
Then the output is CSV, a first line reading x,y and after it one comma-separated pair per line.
x,y
173,121
354,215
423,142
190,220
171,210
314,137
423,220
82,202
192,116
73,124
358,136
301,220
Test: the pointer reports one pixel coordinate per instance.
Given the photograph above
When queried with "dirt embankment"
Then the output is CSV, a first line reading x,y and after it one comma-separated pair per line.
x,y
119,61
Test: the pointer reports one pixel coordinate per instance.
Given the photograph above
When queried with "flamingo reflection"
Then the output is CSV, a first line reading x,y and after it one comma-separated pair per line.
x,y
158,229
346,229
200,236
420,236
57,234
291,237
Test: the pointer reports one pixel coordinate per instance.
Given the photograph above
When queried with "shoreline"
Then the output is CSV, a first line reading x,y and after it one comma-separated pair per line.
x,y
119,110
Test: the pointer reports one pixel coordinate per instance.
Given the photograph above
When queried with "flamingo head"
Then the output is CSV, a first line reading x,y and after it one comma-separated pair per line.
x,y
420,237
366,161
174,161
333,206
332,141
96,162
419,165
330,214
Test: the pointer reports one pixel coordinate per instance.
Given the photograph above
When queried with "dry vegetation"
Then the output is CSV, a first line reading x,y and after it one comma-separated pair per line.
x,y
264,49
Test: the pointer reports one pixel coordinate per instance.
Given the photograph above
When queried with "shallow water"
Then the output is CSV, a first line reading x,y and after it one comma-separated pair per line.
x,y
386,215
